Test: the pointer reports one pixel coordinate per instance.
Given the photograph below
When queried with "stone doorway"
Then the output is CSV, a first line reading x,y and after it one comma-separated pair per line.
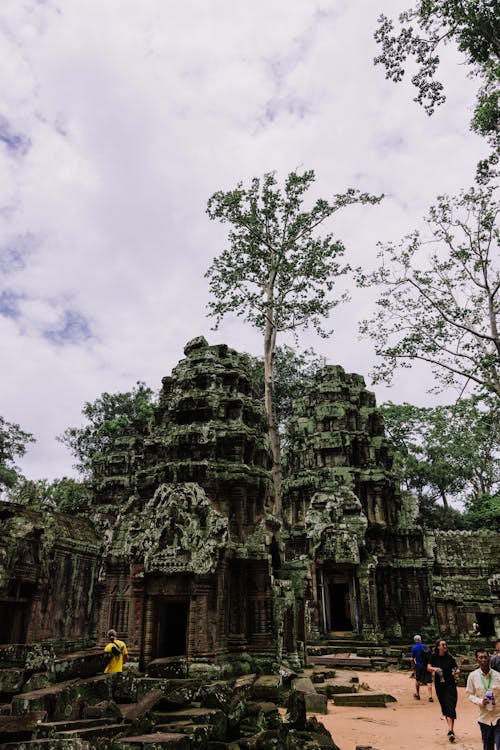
x,y
170,628
486,624
339,602
340,610
13,622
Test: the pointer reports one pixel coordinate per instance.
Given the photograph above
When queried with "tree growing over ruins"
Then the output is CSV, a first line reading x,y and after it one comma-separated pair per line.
x,y
110,416
293,373
421,32
440,296
13,444
277,274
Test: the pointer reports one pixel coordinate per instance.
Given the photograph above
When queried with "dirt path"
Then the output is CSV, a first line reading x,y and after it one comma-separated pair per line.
x,y
405,725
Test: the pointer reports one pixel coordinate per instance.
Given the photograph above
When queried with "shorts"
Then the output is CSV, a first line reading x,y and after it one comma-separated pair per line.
x,y
423,676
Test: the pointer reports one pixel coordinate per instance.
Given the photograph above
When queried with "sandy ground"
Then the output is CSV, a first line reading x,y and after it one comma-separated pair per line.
x,y
402,725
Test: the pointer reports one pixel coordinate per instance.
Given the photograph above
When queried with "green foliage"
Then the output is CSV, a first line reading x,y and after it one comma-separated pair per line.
x,y
448,452
277,274
293,373
13,444
472,25
434,516
442,307
276,271
482,512
109,417
65,495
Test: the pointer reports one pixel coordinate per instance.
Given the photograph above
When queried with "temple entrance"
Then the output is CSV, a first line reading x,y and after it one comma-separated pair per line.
x,y
12,622
170,630
340,610
338,599
486,624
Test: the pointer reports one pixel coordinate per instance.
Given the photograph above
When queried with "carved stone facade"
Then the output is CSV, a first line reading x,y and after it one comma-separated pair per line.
x,y
193,564
375,572
186,557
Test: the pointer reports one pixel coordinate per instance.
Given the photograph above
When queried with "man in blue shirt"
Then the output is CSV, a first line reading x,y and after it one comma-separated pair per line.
x,y
420,654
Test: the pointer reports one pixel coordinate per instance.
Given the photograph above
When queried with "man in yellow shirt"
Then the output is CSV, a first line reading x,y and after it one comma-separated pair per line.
x,y
115,652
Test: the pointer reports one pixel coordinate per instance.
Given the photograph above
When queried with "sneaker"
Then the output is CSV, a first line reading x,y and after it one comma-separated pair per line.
x,y
431,700
451,736
416,696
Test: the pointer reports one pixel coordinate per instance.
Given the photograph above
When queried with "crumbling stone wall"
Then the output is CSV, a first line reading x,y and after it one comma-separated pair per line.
x,y
196,528
186,557
373,569
49,564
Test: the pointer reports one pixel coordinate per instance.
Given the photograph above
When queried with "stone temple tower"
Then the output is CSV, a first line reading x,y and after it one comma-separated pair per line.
x,y
194,569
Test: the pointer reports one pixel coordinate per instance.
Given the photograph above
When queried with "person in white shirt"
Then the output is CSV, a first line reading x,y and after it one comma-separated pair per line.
x,y
483,688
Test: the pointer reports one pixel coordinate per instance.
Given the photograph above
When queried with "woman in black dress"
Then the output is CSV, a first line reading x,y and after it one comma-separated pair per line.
x,y
445,668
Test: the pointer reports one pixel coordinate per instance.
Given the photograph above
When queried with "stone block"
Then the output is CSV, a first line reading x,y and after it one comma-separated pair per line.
x,y
64,700
304,685
267,688
209,716
92,733
51,728
349,662
80,664
157,741
37,681
12,680
316,703
20,727
362,699
171,666
132,711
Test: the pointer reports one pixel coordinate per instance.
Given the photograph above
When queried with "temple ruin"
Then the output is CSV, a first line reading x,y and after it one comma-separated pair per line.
x,y
185,555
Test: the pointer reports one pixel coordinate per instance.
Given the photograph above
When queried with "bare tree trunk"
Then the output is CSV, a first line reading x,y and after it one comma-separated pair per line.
x,y
444,499
269,348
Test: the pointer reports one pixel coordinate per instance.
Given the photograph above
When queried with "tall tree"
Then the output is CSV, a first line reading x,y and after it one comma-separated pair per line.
x,y
442,308
447,452
13,444
292,373
423,29
110,416
276,273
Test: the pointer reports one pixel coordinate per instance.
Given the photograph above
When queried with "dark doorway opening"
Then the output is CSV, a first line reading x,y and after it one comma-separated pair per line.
x,y
171,628
12,622
340,610
485,622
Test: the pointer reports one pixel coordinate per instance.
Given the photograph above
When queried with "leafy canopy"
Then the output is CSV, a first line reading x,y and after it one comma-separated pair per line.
x,y
13,444
292,374
472,25
66,495
109,417
440,298
276,270
447,453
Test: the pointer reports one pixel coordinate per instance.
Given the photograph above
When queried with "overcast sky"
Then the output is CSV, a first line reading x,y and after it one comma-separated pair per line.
x,y
118,119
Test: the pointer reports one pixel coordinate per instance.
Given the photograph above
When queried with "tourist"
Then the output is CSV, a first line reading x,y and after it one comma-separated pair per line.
x,y
115,652
475,630
495,659
445,669
420,655
483,688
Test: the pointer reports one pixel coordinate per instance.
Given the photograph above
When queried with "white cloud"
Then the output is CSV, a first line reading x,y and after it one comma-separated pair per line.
x,y
134,114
